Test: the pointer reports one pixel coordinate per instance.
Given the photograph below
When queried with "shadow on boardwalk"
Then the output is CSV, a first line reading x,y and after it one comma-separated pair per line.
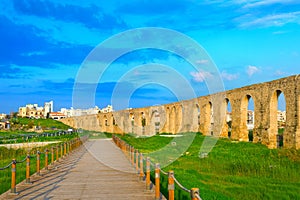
x,y
98,170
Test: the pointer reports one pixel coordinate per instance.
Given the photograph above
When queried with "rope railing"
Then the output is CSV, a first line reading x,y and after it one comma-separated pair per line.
x,y
7,166
22,160
163,172
197,196
180,186
67,148
137,159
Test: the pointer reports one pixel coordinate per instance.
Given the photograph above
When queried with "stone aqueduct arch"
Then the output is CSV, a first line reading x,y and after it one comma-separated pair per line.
x,y
203,114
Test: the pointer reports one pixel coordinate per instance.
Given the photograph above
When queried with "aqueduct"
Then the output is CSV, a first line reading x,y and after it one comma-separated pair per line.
x,y
207,114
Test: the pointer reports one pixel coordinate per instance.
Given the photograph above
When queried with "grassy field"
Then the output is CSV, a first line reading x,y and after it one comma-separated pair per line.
x,y
231,171
45,124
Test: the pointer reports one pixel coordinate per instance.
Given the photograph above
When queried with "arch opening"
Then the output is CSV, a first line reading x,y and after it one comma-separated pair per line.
x,y
250,118
143,122
247,118
211,119
156,120
277,119
228,118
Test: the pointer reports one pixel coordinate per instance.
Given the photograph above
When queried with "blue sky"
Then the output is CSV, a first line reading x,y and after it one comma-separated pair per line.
x,y
44,43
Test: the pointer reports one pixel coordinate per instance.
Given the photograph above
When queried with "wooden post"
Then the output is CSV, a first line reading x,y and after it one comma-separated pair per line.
x,y
52,155
194,193
61,150
38,163
157,181
148,173
57,153
137,160
13,176
65,149
28,168
132,155
171,186
124,147
141,167
46,159
128,151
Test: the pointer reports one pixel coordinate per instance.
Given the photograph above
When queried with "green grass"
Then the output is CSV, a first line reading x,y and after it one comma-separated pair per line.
x,y
231,171
43,123
96,135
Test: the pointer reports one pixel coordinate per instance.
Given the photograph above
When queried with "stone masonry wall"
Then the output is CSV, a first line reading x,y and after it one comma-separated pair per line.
x,y
207,114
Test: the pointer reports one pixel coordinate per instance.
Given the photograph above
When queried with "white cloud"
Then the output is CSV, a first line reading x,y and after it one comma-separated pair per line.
x,y
252,70
202,62
270,20
200,76
280,73
34,53
267,2
228,77
279,32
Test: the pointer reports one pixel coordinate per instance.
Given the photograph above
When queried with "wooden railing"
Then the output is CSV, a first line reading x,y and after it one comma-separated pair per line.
x,y
64,149
137,160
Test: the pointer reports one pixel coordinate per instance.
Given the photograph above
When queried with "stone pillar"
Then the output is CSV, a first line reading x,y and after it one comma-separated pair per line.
x,y
297,134
178,118
166,125
205,117
172,118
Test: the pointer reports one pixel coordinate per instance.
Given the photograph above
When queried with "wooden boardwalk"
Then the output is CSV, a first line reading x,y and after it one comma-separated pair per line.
x,y
97,170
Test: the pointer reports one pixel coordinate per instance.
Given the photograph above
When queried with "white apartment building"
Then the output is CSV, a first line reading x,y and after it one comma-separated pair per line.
x,y
81,112
35,111
48,108
107,109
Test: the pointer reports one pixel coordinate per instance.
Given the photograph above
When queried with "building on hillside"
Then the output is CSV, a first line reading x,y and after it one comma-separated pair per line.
x,y
48,108
107,109
4,125
35,111
3,116
81,112
56,115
